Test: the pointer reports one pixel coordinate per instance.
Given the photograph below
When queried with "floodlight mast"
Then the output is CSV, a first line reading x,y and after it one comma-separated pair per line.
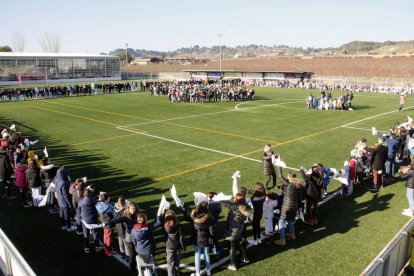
x,y
126,54
219,36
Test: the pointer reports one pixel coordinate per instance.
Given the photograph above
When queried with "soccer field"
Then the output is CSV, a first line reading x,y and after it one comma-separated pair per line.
x,y
137,146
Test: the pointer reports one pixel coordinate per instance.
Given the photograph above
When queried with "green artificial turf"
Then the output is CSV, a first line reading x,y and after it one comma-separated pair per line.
x,y
83,134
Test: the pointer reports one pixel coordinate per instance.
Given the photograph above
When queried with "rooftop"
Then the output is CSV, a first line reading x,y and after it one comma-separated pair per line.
x,y
53,55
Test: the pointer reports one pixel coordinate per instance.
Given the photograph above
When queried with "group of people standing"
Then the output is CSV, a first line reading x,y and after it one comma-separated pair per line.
x,y
96,217
327,102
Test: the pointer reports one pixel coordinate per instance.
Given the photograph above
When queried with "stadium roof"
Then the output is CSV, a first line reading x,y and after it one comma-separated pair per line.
x,y
53,55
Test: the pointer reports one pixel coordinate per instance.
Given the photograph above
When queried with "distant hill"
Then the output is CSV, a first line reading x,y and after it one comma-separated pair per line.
x,y
253,50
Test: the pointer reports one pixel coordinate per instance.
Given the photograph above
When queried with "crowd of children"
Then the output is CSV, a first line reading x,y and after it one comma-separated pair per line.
x,y
327,102
97,218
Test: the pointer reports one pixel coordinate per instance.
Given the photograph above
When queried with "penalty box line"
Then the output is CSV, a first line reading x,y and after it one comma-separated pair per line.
x,y
207,114
374,116
195,146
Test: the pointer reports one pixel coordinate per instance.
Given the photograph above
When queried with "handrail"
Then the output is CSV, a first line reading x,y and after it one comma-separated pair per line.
x,y
14,258
389,248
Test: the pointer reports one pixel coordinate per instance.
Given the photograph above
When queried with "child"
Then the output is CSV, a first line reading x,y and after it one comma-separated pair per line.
x,y
174,242
106,212
258,198
268,205
142,236
87,213
119,210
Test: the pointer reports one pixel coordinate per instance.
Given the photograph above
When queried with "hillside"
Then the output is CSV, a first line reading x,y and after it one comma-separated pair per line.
x,y
253,50
397,67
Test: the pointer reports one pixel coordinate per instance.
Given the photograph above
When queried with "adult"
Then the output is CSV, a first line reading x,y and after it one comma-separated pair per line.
x,y
379,157
403,97
5,172
33,179
63,198
87,213
291,201
314,185
393,146
268,168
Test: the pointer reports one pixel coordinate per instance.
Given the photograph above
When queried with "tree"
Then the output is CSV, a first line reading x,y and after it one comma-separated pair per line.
x,y
18,40
122,57
5,48
50,42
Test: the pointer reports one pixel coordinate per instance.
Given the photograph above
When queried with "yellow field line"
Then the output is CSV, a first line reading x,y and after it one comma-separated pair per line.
x,y
182,172
78,116
166,123
222,161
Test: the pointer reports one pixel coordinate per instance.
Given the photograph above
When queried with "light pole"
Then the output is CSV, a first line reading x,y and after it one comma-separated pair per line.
x,y
126,54
219,36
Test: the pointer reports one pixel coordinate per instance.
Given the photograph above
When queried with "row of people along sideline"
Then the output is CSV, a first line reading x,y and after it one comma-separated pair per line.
x,y
283,206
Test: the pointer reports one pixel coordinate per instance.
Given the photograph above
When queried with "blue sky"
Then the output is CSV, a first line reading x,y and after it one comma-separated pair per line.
x,y
95,26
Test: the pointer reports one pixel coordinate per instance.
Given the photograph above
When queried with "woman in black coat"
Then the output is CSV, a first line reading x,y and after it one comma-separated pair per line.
x,y
314,185
33,179
291,202
268,168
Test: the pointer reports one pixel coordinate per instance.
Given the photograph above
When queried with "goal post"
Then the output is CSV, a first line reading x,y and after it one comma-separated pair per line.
x,y
22,79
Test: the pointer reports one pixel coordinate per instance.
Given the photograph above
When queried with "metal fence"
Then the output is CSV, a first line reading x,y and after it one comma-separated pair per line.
x,y
11,262
394,256
375,81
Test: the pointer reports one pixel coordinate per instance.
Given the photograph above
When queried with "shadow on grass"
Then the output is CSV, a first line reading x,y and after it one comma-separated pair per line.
x,y
37,234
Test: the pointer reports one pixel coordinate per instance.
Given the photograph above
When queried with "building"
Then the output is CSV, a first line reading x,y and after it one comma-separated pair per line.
x,y
20,68
250,76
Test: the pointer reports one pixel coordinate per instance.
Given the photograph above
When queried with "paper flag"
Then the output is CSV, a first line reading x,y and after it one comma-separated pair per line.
x,y
42,203
236,175
91,226
235,189
222,197
410,120
33,142
13,127
199,197
85,179
164,205
343,180
335,172
280,163
354,152
301,215
45,152
374,131
174,195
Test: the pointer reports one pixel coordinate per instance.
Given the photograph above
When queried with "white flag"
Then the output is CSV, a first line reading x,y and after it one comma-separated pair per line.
x,y
174,195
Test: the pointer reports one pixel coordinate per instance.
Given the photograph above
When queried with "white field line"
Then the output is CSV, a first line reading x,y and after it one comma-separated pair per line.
x,y
378,115
237,106
365,129
205,114
195,146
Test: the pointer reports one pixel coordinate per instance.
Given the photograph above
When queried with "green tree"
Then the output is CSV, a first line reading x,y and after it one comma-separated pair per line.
x,y
5,48
122,57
